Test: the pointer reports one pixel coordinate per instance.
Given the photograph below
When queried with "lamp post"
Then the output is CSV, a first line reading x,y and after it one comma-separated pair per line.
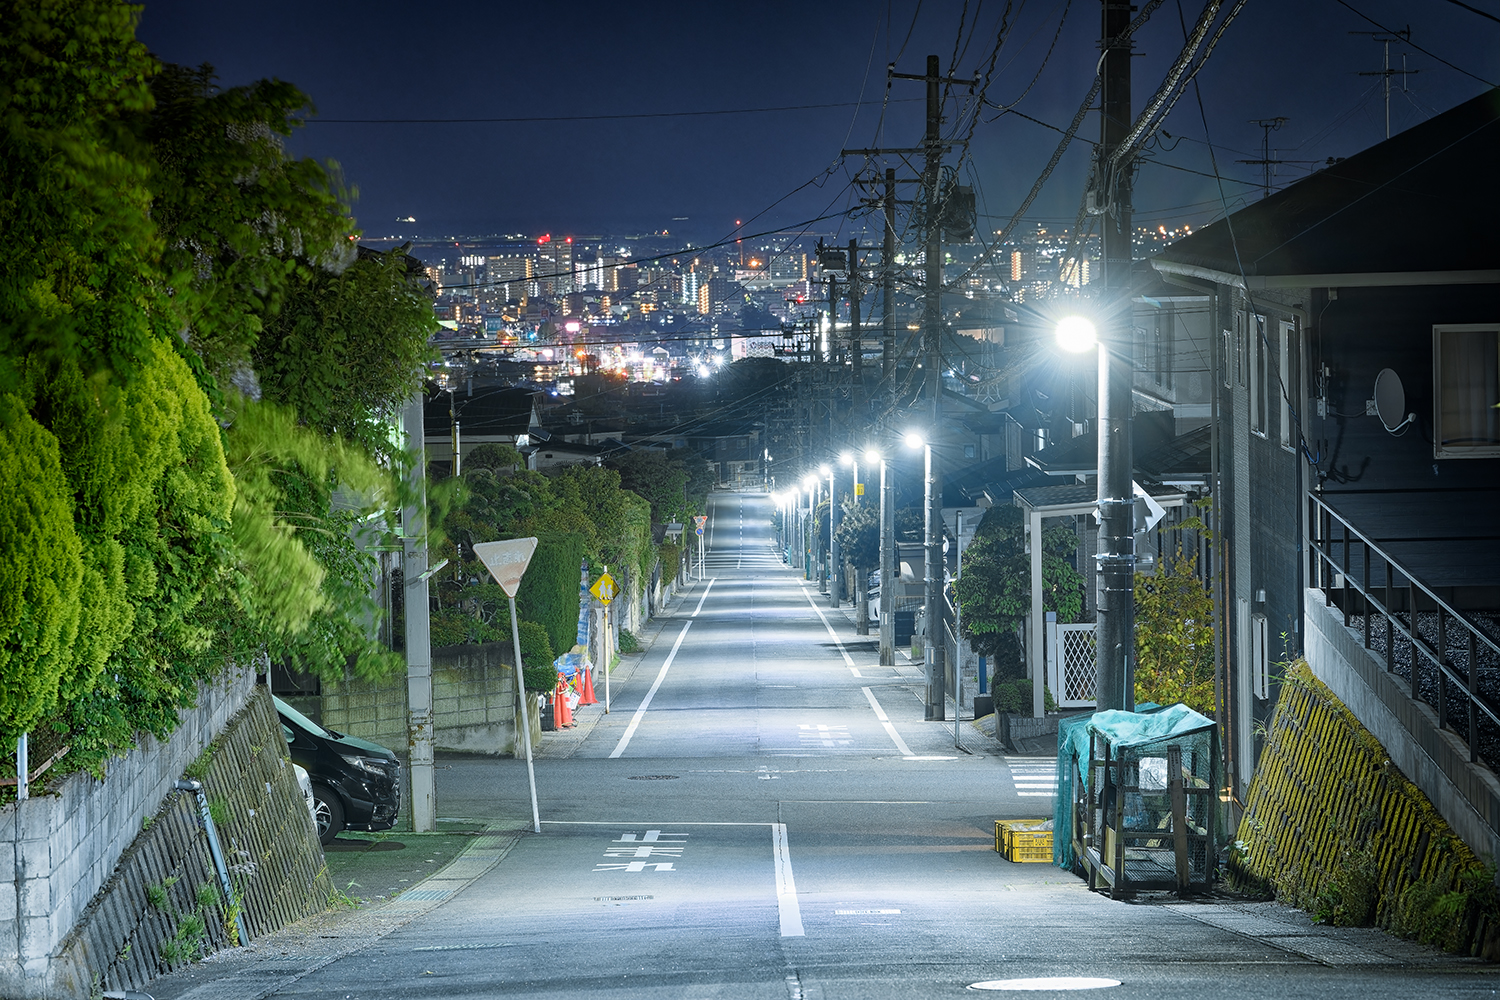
x,y
932,586
810,483
858,589
887,564
830,578
1115,632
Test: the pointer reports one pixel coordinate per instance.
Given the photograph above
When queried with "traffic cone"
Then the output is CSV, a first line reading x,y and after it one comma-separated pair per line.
x,y
564,712
586,696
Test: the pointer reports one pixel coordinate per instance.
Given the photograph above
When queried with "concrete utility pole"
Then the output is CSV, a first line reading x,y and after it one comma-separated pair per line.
x,y
856,331
887,569
1116,559
933,349
888,291
418,629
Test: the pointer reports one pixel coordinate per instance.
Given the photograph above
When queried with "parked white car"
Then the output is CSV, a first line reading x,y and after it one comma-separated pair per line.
x,y
304,782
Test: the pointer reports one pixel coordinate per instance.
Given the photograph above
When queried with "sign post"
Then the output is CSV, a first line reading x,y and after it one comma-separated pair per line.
x,y
700,520
507,562
604,589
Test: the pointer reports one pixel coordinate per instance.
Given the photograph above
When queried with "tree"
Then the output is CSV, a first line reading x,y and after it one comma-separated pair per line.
x,y
995,589
1174,636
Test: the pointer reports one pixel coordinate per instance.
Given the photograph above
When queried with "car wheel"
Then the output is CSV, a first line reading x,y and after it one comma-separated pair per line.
x,y
328,813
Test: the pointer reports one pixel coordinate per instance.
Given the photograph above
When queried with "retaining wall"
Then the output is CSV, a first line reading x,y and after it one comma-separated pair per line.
x,y
1331,817
140,924
1467,794
66,843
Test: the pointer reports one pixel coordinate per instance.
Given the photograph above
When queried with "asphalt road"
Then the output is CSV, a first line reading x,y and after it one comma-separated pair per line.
x,y
765,814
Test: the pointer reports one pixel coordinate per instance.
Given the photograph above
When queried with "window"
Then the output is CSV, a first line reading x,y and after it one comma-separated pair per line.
x,y
1226,355
1466,376
1260,657
1287,345
1162,346
1241,365
1258,366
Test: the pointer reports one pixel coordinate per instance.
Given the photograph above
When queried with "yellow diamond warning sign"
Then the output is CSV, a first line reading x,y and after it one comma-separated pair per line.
x,y
604,588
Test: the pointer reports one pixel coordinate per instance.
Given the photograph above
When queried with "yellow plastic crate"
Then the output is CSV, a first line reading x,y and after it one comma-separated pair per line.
x,y
1022,845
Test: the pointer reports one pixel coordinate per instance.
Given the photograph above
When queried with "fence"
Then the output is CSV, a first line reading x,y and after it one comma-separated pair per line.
x,y
1442,653
1072,663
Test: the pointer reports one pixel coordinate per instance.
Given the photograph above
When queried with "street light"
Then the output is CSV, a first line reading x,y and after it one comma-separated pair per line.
x,y
809,483
932,585
1115,632
887,564
830,578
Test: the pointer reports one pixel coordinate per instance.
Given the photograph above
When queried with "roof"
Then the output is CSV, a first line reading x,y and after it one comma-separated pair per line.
x,y
1081,498
1416,203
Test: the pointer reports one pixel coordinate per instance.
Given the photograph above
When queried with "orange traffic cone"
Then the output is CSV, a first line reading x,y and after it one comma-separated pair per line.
x,y
564,710
586,697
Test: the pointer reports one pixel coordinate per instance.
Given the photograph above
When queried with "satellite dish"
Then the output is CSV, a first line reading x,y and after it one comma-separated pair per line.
x,y
1390,400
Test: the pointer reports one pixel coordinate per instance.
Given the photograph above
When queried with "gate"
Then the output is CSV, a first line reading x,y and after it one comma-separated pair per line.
x,y
1072,664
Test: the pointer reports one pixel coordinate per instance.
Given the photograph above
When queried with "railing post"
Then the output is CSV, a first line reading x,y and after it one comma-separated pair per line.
x,y
1390,621
1344,569
1364,595
1473,707
1411,612
1442,651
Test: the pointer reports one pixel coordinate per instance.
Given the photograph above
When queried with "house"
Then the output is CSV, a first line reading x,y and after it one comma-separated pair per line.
x,y
475,412
1355,369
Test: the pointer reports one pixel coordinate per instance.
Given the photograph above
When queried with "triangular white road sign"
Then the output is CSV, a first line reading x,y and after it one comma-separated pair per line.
x,y
506,561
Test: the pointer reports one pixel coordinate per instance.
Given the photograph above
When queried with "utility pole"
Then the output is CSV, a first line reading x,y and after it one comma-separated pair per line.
x,y
933,194
888,262
856,331
1267,126
932,349
1385,70
1116,561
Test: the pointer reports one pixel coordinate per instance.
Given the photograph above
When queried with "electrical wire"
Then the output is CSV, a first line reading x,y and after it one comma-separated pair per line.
x,y
535,119
1408,41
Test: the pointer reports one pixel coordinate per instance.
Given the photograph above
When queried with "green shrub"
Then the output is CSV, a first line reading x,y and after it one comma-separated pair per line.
x,y
1014,696
628,642
549,591
41,571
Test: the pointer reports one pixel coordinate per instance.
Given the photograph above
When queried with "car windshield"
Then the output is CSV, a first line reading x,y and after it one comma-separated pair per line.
x,y
299,720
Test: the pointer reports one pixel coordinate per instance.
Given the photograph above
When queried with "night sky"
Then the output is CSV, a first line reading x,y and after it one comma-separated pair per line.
x,y
696,175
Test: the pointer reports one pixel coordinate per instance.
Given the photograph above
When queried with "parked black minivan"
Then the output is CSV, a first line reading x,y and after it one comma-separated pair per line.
x,y
356,784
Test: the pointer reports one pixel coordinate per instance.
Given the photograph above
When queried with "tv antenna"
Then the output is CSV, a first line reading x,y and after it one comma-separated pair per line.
x,y
1385,71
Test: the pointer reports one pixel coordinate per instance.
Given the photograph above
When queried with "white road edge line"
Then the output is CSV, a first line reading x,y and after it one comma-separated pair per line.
x,y
786,887
886,722
711,582
819,612
661,675
855,672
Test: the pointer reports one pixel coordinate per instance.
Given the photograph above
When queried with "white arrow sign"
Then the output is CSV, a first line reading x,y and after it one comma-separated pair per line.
x,y
506,561
1155,510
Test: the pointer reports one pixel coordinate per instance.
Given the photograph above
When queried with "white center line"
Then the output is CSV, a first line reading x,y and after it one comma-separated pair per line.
x,y
704,597
819,611
886,722
786,887
660,676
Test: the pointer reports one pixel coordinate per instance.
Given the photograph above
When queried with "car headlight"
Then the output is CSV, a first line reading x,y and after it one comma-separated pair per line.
x,y
370,765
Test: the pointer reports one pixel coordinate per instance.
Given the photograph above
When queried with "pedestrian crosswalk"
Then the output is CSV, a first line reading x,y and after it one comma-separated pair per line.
x,y
1033,777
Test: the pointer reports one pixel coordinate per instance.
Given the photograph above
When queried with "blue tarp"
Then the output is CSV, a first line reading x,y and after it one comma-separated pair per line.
x,y
1122,730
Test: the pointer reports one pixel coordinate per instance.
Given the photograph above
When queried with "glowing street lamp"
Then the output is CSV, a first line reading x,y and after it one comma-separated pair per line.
x,y
932,584
1115,632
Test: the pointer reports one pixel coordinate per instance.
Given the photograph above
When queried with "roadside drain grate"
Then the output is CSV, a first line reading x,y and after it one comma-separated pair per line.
x,y
652,777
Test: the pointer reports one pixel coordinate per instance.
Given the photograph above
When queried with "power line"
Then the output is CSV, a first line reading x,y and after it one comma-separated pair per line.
x,y
594,118
1427,52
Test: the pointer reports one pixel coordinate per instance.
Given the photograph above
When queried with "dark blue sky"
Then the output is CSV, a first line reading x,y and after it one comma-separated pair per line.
x,y
380,60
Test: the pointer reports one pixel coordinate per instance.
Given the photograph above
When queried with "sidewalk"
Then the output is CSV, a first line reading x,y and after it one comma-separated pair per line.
x,y
384,880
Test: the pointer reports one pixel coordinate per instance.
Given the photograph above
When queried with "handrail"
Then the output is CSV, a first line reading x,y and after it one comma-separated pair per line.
x,y
1321,545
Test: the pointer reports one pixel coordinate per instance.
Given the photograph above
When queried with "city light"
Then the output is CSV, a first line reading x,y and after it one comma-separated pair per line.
x,y
872,456
914,440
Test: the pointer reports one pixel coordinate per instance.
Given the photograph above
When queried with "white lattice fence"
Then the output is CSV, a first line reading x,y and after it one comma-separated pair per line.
x,y
1072,665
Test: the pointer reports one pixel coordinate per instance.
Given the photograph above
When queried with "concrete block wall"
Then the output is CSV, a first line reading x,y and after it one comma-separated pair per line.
x,y
270,845
473,700
66,843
